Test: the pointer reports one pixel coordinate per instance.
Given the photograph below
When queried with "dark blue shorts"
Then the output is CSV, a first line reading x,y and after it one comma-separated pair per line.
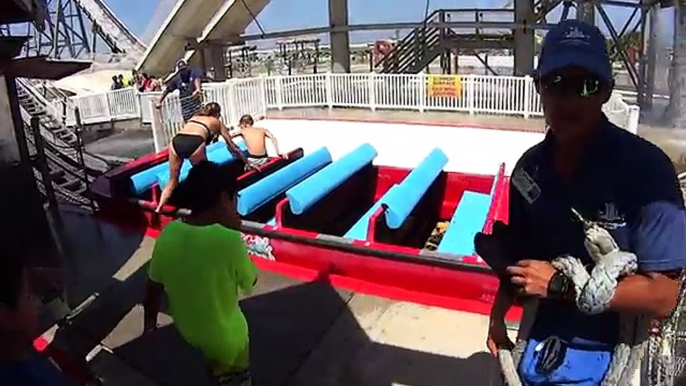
x,y
36,371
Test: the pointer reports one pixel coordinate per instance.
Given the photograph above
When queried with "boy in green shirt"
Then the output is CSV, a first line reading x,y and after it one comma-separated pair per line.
x,y
201,263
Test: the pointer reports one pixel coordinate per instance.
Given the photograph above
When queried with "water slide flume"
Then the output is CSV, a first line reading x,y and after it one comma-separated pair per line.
x,y
360,225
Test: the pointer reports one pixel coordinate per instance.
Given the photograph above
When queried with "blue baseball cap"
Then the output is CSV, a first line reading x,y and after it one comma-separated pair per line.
x,y
578,44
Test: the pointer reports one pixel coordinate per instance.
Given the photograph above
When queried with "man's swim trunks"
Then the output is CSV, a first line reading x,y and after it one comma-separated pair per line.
x,y
202,269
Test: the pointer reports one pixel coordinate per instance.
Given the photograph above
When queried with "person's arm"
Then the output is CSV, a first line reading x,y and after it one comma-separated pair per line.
x,y
515,243
246,271
659,244
233,148
154,290
197,82
170,88
235,132
275,143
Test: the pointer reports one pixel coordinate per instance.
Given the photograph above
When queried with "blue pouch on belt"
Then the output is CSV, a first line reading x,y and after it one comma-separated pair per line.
x,y
554,361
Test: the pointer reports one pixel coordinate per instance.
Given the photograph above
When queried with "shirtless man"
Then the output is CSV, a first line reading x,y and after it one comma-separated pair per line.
x,y
255,141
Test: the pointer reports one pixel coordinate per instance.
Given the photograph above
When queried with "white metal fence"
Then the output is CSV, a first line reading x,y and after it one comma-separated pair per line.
x,y
473,94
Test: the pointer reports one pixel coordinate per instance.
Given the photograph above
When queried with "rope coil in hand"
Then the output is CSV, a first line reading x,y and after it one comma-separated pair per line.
x,y
594,292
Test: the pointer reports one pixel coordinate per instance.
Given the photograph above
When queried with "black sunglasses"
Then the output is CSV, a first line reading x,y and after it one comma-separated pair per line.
x,y
583,86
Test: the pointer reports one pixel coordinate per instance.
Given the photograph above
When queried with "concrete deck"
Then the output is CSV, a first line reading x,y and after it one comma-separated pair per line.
x,y
302,333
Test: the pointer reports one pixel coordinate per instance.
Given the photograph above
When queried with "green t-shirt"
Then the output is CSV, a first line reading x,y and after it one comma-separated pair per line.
x,y
202,269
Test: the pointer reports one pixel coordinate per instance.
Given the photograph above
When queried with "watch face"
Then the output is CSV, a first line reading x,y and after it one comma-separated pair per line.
x,y
557,283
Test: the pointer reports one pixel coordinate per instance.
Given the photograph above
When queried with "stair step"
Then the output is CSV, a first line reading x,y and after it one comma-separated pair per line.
x,y
73,185
56,174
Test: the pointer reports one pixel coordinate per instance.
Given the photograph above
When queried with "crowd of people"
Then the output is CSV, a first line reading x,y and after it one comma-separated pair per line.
x,y
142,82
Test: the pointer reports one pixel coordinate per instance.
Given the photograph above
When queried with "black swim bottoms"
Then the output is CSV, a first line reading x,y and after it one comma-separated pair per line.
x,y
186,144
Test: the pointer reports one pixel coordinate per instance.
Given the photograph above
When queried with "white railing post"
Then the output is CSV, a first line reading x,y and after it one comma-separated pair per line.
x,y
278,89
634,115
371,91
328,85
233,113
422,82
108,108
528,85
471,91
263,94
156,125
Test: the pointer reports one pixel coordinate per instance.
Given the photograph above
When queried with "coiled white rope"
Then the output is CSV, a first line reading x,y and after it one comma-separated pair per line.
x,y
594,292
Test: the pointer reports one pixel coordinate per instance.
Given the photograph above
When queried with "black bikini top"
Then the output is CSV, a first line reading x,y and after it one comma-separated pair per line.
x,y
211,136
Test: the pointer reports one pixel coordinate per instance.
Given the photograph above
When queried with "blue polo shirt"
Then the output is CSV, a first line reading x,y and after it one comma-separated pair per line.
x,y
186,87
624,183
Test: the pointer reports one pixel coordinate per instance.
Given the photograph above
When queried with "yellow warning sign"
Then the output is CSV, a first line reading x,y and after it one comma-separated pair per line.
x,y
444,86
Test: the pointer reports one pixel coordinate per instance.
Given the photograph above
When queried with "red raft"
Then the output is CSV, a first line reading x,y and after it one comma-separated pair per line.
x,y
393,232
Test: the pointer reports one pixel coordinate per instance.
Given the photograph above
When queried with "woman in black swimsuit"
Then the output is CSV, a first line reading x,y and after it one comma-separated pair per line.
x,y
191,142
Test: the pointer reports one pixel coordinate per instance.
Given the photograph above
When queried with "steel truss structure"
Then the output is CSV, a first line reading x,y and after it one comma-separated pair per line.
x,y
69,32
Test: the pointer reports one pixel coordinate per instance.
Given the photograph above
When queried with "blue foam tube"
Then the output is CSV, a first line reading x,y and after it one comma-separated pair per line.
x,y
144,180
308,192
219,154
359,230
414,186
261,192
468,219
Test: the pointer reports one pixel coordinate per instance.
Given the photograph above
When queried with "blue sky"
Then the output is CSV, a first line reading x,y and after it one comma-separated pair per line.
x,y
294,14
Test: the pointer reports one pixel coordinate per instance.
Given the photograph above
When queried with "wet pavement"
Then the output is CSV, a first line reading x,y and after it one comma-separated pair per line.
x,y
302,333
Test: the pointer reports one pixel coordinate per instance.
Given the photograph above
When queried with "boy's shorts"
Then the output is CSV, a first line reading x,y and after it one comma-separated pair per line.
x,y
236,373
232,378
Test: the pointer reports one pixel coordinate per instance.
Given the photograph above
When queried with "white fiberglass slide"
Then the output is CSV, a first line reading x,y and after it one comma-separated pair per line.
x,y
198,20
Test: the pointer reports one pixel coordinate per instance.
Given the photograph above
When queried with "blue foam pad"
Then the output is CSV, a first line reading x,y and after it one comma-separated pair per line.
x,y
468,219
308,192
144,180
217,152
414,186
266,189
359,230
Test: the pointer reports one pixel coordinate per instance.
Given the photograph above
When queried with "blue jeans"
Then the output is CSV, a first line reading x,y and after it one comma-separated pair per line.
x,y
552,362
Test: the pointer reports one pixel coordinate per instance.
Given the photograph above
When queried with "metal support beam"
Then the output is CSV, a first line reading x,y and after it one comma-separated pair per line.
x,y
340,42
524,38
382,27
649,58
585,11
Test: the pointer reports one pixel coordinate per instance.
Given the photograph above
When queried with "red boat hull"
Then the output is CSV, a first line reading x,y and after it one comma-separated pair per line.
x,y
393,271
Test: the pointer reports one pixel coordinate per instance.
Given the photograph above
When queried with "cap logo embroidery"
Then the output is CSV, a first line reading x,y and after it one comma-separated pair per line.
x,y
575,33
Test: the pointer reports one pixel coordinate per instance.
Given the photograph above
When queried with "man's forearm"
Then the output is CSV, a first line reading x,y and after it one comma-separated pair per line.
x,y
651,293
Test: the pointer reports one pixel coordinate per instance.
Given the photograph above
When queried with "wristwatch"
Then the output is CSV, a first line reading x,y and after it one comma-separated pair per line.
x,y
559,286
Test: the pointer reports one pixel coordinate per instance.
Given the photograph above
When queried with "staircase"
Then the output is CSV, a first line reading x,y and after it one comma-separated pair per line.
x,y
37,106
416,51
71,169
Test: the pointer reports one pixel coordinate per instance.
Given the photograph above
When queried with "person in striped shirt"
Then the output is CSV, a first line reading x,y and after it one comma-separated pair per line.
x,y
188,81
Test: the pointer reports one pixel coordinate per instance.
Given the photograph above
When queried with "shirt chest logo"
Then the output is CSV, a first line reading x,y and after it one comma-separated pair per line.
x,y
525,185
610,218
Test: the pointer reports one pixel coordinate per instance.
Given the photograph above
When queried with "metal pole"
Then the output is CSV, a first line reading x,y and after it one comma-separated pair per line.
x,y
42,163
79,154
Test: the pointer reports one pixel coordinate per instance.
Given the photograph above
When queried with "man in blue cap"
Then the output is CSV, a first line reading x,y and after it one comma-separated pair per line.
x,y
188,81
621,182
